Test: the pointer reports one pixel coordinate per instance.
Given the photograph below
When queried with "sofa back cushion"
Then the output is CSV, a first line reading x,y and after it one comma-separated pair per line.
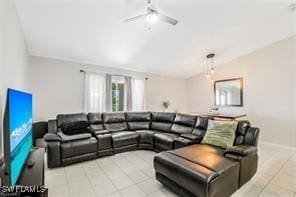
x,y
162,121
241,131
201,125
73,128
96,121
183,123
252,136
69,118
115,121
72,124
138,120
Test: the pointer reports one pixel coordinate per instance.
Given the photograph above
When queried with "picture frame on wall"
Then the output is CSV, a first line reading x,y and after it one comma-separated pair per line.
x,y
229,92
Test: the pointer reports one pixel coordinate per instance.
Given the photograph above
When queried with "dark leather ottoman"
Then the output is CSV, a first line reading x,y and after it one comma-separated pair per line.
x,y
197,172
104,144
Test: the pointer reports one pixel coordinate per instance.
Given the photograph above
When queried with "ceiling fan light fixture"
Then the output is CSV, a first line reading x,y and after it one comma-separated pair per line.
x,y
152,17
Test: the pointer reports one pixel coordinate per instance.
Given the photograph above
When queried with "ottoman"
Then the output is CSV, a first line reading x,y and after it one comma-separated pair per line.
x,y
197,171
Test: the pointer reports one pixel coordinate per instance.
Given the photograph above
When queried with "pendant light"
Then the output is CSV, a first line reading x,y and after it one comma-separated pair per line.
x,y
211,72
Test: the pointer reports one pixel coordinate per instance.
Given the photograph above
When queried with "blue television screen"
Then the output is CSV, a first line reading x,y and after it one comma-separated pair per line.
x,y
20,131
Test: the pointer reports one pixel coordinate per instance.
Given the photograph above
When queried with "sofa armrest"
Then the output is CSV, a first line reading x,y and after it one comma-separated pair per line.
x,y
101,132
247,156
51,137
68,138
53,149
190,136
240,150
53,143
52,126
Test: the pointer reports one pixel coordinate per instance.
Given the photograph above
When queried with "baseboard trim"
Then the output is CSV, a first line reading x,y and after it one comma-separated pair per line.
x,y
278,145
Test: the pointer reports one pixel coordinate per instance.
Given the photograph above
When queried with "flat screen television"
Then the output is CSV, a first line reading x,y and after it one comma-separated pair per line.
x,y
17,133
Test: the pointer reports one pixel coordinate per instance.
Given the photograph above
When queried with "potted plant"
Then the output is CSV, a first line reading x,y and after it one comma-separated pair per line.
x,y
166,105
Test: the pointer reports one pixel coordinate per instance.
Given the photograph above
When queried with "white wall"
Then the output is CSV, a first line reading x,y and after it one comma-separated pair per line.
x,y
161,88
14,64
269,90
57,86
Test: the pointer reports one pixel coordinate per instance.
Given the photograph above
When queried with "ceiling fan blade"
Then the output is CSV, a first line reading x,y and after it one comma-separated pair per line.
x,y
134,18
168,19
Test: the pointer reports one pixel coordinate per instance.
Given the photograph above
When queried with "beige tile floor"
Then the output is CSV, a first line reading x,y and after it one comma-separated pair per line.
x,y
131,174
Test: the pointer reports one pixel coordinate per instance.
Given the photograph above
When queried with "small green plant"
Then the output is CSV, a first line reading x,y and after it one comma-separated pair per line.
x,y
166,104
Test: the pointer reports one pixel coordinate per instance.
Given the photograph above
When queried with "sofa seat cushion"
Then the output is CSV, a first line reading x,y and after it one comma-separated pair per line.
x,y
67,138
181,142
146,136
202,154
79,147
205,175
124,138
193,151
165,141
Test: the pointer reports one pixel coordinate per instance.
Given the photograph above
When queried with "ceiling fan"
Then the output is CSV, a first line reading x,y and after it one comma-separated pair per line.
x,y
152,16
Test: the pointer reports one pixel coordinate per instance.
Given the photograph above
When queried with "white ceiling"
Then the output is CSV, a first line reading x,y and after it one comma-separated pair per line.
x,y
92,31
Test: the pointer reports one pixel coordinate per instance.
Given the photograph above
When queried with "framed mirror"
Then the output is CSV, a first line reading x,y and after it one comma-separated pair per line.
x,y
229,92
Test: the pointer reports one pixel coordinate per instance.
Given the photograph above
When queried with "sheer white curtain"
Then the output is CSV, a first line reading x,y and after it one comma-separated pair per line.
x,y
138,94
128,93
108,96
94,92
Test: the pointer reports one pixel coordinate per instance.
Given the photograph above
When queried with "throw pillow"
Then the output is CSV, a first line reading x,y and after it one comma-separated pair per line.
x,y
72,128
220,133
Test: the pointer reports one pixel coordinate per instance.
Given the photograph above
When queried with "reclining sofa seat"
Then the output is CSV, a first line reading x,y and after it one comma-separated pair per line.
x,y
123,139
140,122
163,137
205,170
63,149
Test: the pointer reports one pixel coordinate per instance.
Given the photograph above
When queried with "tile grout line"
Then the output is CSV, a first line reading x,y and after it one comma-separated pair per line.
x,y
135,184
92,186
117,190
274,175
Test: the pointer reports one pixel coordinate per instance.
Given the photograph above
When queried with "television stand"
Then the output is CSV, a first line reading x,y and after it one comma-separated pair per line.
x,y
32,176
33,171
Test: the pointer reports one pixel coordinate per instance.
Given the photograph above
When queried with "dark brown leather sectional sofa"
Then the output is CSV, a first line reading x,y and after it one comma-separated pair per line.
x,y
183,164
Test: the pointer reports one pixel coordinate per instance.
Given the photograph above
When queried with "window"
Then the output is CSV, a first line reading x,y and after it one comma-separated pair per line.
x,y
118,93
